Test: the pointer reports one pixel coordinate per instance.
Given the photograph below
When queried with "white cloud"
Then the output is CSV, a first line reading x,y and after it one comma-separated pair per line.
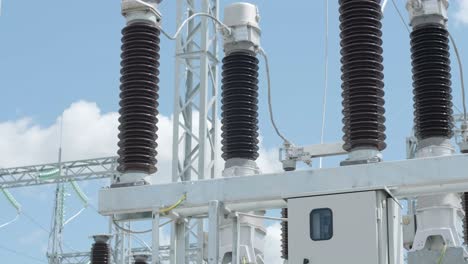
x,y
89,133
462,14
273,244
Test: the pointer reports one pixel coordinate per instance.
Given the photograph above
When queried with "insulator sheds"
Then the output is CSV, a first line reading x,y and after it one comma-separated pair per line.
x,y
284,235
240,106
362,74
100,253
431,82
139,98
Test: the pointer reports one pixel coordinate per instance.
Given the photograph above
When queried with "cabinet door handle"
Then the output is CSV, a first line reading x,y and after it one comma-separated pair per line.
x,y
306,261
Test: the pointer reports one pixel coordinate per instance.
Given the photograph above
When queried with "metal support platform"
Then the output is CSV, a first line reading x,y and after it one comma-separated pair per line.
x,y
404,178
215,199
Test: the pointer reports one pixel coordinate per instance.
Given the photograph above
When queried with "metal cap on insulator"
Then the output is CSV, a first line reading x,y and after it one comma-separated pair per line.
x,y
427,12
141,258
243,19
102,238
100,252
141,11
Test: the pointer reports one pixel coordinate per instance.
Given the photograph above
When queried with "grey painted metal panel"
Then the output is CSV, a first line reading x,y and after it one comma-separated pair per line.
x,y
355,229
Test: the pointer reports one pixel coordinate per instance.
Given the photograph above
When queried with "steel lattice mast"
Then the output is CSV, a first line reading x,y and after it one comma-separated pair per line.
x,y
195,143
195,114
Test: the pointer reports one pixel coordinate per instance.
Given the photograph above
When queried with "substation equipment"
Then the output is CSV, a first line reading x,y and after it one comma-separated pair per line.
x,y
348,214
324,209
354,209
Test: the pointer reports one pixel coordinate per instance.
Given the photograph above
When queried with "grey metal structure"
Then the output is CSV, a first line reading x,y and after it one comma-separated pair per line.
x,y
195,113
55,249
451,255
59,174
84,257
78,170
407,178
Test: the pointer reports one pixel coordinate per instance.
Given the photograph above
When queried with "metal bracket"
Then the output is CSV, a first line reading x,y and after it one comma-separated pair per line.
x,y
289,154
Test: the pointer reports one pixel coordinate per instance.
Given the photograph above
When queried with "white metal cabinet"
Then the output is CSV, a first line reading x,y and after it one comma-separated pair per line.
x,y
359,224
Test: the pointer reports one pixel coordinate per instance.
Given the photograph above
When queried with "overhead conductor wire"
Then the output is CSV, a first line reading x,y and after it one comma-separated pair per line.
x,y
226,29
457,54
325,89
462,80
15,204
270,104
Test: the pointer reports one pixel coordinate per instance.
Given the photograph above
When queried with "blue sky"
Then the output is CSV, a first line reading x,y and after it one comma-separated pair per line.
x,y
64,55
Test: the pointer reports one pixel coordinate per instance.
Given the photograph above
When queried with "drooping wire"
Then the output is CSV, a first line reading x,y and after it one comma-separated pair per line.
x,y
141,241
442,255
21,254
462,80
401,16
11,221
13,203
32,220
270,104
325,89
74,216
263,217
226,29
84,199
161,211
130,231
384,4
457,54
138,232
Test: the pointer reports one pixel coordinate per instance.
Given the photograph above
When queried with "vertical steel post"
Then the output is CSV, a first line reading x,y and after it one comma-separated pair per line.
x,y
235,239
155,243
215,212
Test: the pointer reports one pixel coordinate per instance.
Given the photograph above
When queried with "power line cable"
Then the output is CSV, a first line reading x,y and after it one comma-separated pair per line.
x,y
227,30
325,89
462,80
401,16
21,254
31,219
270,103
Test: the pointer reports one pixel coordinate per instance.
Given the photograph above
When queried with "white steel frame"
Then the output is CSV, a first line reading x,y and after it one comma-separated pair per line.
x,y
196,90
402,179
225,196
78,170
